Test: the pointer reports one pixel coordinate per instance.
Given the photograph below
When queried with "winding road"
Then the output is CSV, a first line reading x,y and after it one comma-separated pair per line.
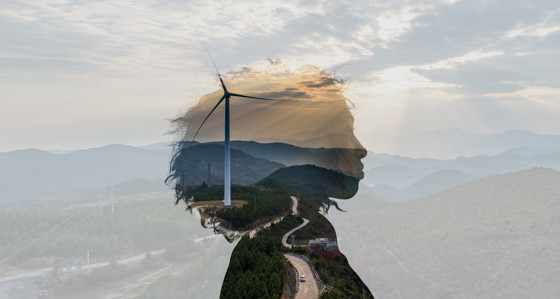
x,y
288,234
310,288
294,212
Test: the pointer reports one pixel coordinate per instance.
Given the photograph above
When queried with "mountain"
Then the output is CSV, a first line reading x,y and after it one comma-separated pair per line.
x,y
400,173
191,165
449,144
398,184
26,174
166,145
493,237
290,155
34,173
530,151
313,180
435,182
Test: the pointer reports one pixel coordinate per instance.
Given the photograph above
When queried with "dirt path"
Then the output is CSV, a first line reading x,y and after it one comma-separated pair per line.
x,y
294,205
308,289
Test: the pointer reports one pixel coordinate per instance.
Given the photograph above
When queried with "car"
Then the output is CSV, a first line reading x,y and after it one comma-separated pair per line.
x,y
302,278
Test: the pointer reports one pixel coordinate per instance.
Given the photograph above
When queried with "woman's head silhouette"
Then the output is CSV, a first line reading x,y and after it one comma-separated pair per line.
x,y
318,119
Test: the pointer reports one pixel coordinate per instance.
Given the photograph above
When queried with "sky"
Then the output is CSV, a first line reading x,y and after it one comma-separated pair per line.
x,y
303,107
77,74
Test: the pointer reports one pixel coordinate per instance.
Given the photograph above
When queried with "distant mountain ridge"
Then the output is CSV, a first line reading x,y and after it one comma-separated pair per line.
x,y
399,178
449,144
32,173
191,166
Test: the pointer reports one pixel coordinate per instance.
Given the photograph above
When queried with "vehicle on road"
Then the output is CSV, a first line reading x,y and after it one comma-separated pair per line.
x,y
302,278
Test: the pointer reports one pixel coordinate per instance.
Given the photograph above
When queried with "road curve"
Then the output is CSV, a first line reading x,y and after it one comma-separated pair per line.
x,y
285,237
308,289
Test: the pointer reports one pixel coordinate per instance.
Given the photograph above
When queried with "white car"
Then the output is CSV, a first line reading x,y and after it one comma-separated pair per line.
x,y
302,278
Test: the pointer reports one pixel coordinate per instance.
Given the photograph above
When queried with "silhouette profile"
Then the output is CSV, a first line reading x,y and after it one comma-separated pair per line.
x,y
303,148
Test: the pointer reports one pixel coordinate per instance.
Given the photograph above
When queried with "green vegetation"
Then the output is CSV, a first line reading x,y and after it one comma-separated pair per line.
x,y
314,181
267,205
318,226
260,203
334,270
256,269
332,266
333,294
277,230
135,226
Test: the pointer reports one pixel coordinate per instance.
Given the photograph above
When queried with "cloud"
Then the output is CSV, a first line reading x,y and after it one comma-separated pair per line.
x,y
543,96
148,54
547,26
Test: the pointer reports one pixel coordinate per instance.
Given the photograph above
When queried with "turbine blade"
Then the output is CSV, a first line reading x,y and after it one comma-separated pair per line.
x,y
250,97
215,67
207,116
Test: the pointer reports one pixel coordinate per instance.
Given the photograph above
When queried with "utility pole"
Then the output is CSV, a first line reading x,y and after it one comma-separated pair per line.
x,y
112,202
88,259
101,206
209,175
293,241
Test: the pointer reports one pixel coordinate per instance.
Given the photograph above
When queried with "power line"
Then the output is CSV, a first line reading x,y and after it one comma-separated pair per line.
x,y
36,227
55,240
35,240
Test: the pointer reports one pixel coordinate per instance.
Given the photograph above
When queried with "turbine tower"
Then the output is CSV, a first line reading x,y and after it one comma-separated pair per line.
x,y
225,98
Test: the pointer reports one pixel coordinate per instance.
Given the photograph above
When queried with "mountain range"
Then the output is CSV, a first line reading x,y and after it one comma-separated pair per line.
x,y
493,237
452,143
34,173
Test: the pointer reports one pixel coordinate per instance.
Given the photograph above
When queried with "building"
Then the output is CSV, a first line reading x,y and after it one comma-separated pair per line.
x,y
324,243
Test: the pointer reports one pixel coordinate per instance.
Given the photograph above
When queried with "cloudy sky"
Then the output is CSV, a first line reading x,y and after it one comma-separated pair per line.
x,y
77,74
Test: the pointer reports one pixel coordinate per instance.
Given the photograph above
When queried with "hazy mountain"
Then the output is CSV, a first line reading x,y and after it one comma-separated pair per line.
x,y
31,173
530,151
191,166
50,173
429,184
435,182
400,173
494,237
290,155
387,192
449,144
398,176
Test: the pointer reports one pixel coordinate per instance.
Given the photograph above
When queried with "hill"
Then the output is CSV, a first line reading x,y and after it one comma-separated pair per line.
x,y
290,155
452,143
431,184
190,166
494,237
409,176
34,173
314,181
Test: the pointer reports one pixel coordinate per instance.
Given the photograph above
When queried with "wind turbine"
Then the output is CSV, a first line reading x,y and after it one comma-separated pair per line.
x,y
225,98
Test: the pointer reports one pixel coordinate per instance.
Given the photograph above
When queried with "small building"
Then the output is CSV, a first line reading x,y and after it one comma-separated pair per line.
x,y
332,246
324,243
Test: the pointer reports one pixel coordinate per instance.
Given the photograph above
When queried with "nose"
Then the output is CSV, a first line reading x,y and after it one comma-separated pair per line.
x,y
360,153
